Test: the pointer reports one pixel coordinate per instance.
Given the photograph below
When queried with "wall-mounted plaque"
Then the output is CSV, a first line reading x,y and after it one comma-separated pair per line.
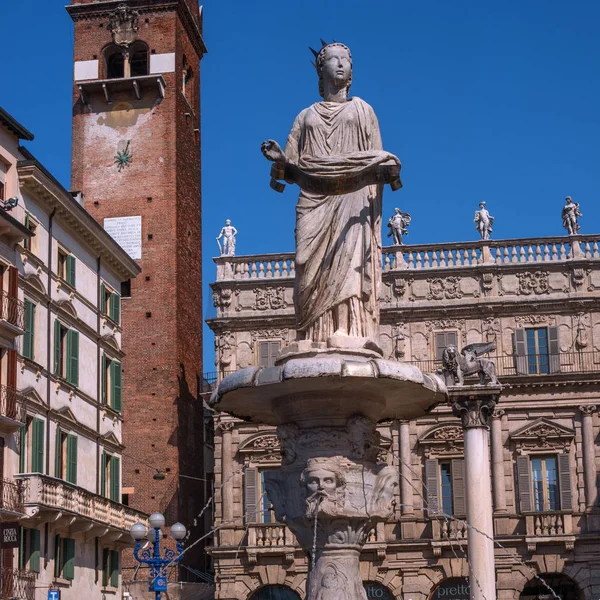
x,y
127,232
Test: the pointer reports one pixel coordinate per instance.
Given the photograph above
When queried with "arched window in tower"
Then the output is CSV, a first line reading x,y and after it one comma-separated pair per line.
x,y
138,58
114,62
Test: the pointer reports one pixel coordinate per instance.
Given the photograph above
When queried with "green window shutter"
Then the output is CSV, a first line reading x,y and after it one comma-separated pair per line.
x,y
72,459
71,270
34,550
103,474
115,479
57,332
57,556
102,298
58,454
69,559
103,377
73,357
105,567
114,568
37,453
115,308
28,336
117,386
22,443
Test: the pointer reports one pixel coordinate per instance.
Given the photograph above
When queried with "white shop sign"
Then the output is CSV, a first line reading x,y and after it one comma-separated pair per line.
x,y
127,232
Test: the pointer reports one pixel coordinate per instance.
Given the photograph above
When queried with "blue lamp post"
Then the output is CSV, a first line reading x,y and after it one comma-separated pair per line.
x,y
152,556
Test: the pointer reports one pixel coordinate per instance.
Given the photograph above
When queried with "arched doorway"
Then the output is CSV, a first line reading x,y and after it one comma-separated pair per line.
x,y
564,587
378,591
454,588
274,592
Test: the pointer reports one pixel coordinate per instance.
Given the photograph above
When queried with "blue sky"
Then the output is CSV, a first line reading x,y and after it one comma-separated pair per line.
x,y
480,100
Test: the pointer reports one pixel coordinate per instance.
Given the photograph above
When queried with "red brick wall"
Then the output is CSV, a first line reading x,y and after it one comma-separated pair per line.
x,y
163,420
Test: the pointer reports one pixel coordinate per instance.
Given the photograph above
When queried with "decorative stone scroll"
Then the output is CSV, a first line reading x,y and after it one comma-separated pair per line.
x,y
443,441
542,435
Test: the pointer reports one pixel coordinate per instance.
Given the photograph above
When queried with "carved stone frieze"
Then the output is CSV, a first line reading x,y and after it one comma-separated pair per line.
x,y
222,298
268,334
401,284
124,25
487,281
269,298
443,441
490,328
533,283
535,320
445,324
444,288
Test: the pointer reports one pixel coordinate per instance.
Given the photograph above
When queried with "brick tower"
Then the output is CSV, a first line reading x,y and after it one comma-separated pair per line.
x,y
136,160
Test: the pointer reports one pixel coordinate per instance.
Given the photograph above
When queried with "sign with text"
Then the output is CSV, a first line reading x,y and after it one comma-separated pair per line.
x,y
53,594
456,588
9,538
127,232
376,590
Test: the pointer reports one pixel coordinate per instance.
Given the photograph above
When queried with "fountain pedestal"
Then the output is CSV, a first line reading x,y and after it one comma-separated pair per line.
x,y
330,490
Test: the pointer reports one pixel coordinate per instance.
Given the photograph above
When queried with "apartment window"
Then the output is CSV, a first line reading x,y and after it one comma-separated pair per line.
x,y
66,267
110,568
445,480
544,483
110,477
537,351
66,353
267,353
257,507
65,466
64,557
29,550
30,224
443,339
31,458
28,347
112,386
110,304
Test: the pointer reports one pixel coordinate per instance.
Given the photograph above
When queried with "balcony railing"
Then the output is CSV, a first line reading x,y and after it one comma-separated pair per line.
x,y
12,310
532,364
17,584
12,402
270,535
11,499
50,493
449,255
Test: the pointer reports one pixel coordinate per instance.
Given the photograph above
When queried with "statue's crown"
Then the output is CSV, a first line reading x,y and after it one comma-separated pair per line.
x,y
318,53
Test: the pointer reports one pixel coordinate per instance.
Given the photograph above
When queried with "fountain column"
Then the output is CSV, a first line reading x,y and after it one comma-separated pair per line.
x,y
474,405
589,454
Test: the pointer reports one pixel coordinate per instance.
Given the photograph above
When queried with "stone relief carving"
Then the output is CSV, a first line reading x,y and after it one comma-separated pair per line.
x,y
364,439
399,341
542,435
224,346
447,288
324,487
401,285
581,336
222,298
268,334
533,283
269,298
445,324
487,281
124,25
535,320
443,441
490,329
578,276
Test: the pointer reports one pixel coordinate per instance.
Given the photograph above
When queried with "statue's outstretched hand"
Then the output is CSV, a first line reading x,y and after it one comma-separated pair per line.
x,y
273,152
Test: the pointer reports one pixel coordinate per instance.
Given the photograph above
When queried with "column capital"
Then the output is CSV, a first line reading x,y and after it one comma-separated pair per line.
x,y
475,404
498,413
588,409
226,426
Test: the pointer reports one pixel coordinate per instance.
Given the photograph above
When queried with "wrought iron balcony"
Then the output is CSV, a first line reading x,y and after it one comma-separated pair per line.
x,y
12,311
79,508
12,408
11,499
17,584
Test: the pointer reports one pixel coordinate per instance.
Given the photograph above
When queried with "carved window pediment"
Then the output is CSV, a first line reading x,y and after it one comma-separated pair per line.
x,y
541,436
443,440
261,449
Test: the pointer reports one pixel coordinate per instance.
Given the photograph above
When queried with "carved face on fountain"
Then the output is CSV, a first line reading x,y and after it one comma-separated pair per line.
x,y
324,486
321,482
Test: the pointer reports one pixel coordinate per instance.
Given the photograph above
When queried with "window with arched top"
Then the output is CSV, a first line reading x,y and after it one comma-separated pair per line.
x,y
126,62
274,592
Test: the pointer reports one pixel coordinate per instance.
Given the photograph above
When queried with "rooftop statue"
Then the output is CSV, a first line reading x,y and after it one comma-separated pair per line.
x,y
483,221
570,216
228,233
398,224
334,154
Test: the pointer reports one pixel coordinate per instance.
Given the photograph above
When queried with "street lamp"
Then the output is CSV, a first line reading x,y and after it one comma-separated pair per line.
x,y
151,556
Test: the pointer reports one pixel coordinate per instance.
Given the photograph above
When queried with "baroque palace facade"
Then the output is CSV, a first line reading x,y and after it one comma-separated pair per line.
x,y
539,301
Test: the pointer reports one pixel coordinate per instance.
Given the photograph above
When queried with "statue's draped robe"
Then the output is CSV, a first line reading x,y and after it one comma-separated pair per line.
x,y
338,237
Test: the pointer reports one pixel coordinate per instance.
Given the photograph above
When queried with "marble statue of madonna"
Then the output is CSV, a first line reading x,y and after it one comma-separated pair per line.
x,y
334,153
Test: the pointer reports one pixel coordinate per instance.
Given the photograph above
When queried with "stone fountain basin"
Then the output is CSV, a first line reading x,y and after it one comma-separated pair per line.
x,y
327,390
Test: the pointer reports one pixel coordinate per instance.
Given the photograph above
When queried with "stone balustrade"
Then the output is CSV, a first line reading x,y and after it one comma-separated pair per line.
x,y
429,256
549,524
447,529
270,535
45,493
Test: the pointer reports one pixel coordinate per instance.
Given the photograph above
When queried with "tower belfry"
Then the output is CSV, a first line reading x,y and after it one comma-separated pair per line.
x,y
136,160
